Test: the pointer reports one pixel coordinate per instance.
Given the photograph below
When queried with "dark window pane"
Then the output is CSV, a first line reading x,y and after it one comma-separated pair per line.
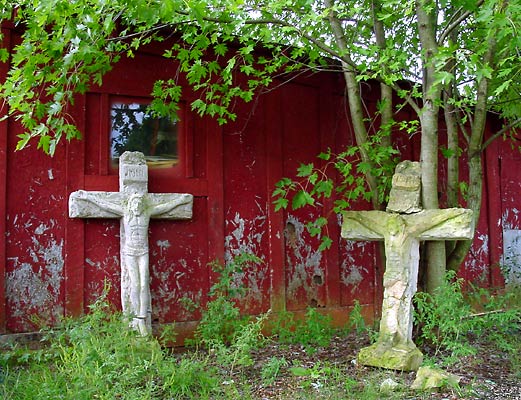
x,y
133,129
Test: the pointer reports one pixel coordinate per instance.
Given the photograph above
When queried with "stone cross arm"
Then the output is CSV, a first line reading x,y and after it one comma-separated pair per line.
x,y
93,204
364,225
443,224
447,223
170,205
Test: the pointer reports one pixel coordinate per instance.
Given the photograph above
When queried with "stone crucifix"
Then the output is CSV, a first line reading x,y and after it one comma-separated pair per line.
x,y
402,228
134,206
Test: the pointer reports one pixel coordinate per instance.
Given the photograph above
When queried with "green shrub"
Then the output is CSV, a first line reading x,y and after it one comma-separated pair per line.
x,y
98,356
283,326
271,370
221,319
312,332
442,318
446,319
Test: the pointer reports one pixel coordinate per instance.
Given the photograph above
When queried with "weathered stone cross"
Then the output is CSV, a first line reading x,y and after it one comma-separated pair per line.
x,y
402,228
134,206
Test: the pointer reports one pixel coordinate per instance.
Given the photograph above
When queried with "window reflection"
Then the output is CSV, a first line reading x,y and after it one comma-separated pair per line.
x,y
133,129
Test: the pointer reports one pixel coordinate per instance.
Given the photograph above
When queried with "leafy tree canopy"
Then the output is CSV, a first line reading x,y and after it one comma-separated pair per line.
x,y
69,45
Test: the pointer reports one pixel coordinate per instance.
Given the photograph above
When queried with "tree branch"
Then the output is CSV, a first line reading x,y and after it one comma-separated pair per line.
x,y
409,99
500,133
453,25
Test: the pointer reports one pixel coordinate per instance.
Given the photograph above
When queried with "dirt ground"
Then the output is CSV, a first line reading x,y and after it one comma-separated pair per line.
x,y
489,373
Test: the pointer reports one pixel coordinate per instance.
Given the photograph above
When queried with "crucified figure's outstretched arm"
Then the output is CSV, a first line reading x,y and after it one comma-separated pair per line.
x,y
431,219
374,223
99,201
179,200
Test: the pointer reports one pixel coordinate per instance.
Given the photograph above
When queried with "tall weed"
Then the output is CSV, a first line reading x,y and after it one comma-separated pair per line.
x,y
447,321
315,330
221,320
98,356
441,318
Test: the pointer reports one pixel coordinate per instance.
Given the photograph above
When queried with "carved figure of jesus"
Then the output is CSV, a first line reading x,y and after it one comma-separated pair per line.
x,y
135,213
402,234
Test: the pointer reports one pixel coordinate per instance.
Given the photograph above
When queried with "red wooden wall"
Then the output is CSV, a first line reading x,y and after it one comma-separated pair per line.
x,y
51,265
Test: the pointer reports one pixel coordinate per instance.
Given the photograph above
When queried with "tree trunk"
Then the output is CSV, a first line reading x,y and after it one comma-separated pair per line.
x,y
475,153
460,251
435,251
453,157
354,99
426,12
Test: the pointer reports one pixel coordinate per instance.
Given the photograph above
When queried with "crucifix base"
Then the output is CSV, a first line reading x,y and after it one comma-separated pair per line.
x,y
402,357
142,325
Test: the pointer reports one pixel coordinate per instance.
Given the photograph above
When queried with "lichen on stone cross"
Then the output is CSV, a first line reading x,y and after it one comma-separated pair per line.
x,y
401,231
134,206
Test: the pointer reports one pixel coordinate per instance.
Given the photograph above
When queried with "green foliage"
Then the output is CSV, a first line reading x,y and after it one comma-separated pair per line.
x,y
221,320
238,353
357,323
442,318
500,319
322,377
316,331
447,320
98,356
228,51
313,331
356,320
314,184
271,370
226,285
283,326
228,335
68,47
192,378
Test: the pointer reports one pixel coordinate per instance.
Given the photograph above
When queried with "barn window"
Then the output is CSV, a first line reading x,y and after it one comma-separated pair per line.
x,y
135,129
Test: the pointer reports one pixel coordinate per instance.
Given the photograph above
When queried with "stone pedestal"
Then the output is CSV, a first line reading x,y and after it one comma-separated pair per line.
x,y
403,356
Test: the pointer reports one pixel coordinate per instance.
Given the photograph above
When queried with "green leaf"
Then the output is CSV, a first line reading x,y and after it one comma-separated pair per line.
x,y
324,188
24,139
325,243
44,143
300,371
484,72
281,203
313,178
4,55
447,152
284,182
199,106
503,87
305,170
325,156
220,49
301,199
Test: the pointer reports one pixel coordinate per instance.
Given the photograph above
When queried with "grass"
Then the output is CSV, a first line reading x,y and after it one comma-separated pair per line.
x,y
98,357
